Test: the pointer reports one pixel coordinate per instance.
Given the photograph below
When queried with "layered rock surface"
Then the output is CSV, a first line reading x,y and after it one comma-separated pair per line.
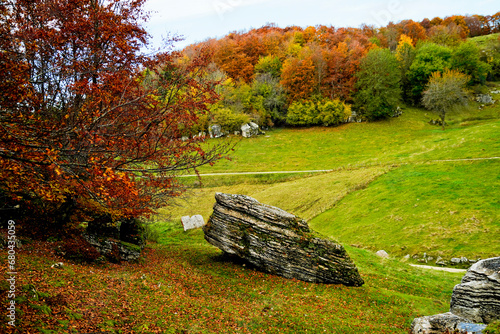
x,y
475,300
477,297
277,242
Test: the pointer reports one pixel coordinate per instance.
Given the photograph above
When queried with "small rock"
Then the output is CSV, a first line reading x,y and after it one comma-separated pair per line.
x,y
215,131
193,222
430,258
57,265
455,261
249,130
484,99
382,254
463,259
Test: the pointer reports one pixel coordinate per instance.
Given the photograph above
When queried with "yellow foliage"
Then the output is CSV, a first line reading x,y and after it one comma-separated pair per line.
x,y
404,46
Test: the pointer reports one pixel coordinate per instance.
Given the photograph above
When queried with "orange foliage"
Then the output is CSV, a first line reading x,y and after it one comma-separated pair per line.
x,y
414,30
297,77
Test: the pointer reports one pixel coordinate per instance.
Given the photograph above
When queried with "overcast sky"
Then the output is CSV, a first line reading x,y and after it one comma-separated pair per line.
x,y
198,20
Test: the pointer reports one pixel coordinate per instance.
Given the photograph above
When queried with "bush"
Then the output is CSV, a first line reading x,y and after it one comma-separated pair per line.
x,y
321,112
228,120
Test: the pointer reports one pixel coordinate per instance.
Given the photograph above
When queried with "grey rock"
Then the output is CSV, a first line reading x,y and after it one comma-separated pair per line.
x,y
484,98
249,130
277,242
215,131
477,297
105,246
436,324
382,253
193,222
57,265
456,260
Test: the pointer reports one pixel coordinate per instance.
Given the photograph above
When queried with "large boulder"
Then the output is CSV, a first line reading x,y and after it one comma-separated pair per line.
x,y
277,242
477,298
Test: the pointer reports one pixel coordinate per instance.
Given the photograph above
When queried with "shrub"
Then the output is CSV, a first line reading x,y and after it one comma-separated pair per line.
x,y
229,120
466,59
320,112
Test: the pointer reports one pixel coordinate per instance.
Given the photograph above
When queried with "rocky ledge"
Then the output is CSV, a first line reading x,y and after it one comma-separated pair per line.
x,y
277,242
474,302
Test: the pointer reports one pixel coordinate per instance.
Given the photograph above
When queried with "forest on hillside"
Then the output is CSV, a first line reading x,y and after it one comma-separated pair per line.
x,y
315,75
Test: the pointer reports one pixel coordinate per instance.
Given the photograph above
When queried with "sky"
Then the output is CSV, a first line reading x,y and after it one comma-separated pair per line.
x,y
198,20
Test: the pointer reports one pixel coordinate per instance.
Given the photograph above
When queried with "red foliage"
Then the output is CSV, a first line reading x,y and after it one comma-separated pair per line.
x,y
77,248
82,120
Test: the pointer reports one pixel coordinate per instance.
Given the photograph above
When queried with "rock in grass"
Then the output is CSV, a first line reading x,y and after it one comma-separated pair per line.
x,y
382,253
277,242
477,298
436,324
473,302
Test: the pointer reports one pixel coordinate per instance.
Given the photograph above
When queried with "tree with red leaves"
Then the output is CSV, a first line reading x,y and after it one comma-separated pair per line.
x,y
89,127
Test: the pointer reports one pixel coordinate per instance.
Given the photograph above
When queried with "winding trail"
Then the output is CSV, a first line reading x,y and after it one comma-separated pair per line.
x,y
450,270
332,170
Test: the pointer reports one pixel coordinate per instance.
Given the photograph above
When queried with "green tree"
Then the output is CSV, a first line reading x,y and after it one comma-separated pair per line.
x,y
466,59
273,97
445,92
430,58
378,85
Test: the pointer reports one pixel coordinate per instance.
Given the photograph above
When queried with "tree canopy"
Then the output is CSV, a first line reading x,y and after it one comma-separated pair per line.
x,y
89,126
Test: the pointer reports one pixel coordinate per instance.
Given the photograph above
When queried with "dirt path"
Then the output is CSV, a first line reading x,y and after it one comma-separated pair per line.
x,y
329,170
450,270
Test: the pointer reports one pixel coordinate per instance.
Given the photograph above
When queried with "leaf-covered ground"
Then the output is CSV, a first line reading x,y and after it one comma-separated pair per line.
x,y
190,287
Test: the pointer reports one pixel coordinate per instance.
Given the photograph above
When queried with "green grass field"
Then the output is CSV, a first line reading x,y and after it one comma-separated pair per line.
x,y
400,185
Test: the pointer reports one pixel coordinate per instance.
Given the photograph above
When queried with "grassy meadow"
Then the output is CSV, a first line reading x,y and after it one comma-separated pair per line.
x,y
400,185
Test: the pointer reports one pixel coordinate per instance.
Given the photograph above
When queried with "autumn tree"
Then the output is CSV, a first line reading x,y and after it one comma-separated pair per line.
x,y
445,92
378,85
91,128
297,78
413,30
405,54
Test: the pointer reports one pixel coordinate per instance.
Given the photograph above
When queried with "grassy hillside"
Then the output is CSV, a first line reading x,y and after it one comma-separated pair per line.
x,y
401,185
